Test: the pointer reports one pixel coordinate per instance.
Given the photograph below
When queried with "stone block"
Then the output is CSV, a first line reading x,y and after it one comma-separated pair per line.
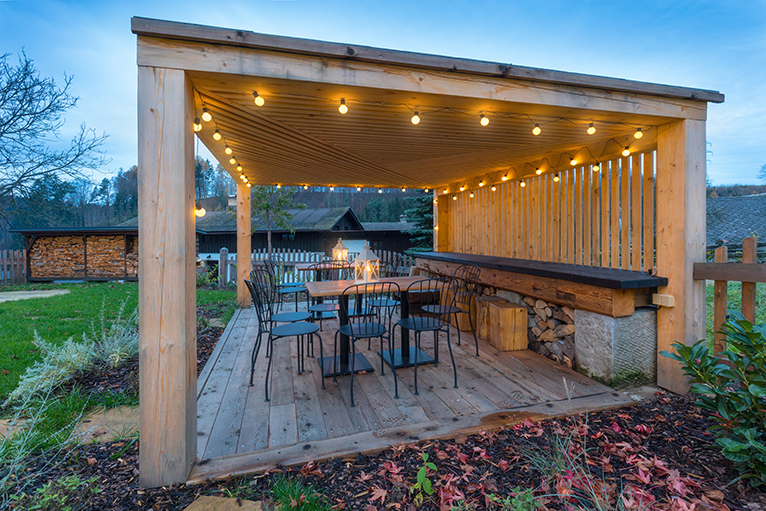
x,y
607,347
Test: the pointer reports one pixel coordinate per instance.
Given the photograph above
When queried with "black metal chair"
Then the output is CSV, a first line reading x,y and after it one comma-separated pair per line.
x,y
277,268
299,329
326,307
428,296
391,266
374,324
467,276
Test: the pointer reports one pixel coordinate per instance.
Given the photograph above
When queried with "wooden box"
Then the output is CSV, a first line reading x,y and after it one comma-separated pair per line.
x,y
482,314
508,326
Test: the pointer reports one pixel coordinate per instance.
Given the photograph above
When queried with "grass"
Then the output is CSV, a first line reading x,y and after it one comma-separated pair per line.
x,y
734,302
290,493
58,318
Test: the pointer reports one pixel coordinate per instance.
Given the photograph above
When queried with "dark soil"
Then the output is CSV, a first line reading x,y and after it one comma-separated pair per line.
x,y
618,443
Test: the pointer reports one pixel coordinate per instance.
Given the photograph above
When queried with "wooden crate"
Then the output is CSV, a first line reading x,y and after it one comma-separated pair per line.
x,y
482,314
507,326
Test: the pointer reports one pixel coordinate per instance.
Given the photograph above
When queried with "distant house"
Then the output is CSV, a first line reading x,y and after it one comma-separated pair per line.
x,y
730,219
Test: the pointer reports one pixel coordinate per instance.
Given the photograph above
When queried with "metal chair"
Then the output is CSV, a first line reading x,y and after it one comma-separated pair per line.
x,y
375,324
467,276
390,266
299,329
325,309
277,268
430,296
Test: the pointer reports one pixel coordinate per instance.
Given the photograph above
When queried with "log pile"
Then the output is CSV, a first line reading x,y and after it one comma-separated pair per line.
x,y
105,256
57,257
131,258
551,330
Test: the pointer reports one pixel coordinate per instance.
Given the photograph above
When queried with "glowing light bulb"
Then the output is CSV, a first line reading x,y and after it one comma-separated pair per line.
x,y
462,188
638,134
239,168
358,188
242,177
332,188
504,178
415,119
470,195
305,187
484,120
227,150
200,212
591,129
481,183
538,171
596,168
402,188
249,185
536,130
435,201
232,160
454,197
426,190
445,190
279,186
258,99
493,188
380,190
626,151
523,184
197,125
216,135
206,115
573,161
555,178
436,227
343,108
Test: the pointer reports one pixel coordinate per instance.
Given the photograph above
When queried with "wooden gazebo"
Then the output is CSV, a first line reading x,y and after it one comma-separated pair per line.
x,y
509,153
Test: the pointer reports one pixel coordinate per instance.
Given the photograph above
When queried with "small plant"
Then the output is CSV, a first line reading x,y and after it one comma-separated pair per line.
x,y
518,500
65,494
423,484
734,391
291,494
117,343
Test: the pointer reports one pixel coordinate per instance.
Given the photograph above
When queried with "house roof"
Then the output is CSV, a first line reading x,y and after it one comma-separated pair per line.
x,y
730,219
76,231
388,226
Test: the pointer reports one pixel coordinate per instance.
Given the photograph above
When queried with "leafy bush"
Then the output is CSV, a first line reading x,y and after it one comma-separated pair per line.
x,y
735,391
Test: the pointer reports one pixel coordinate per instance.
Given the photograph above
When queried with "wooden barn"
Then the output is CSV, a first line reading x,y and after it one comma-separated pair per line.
x,y
582,192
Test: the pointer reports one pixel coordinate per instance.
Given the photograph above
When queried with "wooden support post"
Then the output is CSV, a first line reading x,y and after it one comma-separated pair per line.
x,y
167,285
223,271
442,226
244,235
719,304
680,241
749,247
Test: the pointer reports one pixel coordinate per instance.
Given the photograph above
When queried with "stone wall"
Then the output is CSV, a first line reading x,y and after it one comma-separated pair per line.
x,y
79,257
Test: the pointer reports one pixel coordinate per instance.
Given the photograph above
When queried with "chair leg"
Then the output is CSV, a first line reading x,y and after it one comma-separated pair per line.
x,y
321,358
382,369
417,350
457,327
473,331
393,364
254,356
335,365
454,368
353,361
268,369
436,348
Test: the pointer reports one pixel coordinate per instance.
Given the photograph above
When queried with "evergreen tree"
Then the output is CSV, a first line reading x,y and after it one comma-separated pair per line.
x,y
421,213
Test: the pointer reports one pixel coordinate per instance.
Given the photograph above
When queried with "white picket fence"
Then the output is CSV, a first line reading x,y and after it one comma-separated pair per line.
x,y
227,266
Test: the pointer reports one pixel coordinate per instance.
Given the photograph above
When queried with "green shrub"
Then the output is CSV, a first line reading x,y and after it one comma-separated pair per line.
x,y
117,343
735,392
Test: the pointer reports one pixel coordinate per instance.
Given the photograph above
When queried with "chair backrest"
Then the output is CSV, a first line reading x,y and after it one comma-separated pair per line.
x,y
439,290
467,276
275,266
262,276
260,302
362,307
390,267
329,270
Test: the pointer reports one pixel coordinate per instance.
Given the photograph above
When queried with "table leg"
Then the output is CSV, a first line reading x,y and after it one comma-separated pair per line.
x,y
341,365
405,356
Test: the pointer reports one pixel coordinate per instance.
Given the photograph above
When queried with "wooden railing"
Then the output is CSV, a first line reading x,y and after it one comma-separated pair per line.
x,y
227,266
13,267
749,272
604,218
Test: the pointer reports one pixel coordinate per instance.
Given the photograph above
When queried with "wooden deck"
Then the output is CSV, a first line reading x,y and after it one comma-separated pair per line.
x,y
239,433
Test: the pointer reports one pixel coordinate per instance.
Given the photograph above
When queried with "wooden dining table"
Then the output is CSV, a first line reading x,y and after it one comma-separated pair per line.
x,y
403,356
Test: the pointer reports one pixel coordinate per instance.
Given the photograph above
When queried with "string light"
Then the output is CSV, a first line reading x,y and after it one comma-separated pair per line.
x,y
435,201
216,135
305,187
436,227
538,171
523,183
248,185
462,188
206,115
484,120
239,168
536,130
199,210
232,160
591,129
425,190
504,178
626,151
470,195
258,100
343,108
556,177
402,188
481,183
415,119
358,188
573,161
227,150
332,188
242,177
493,188
445,190
380,190
279,186
596,167
197,125
638,134
454,197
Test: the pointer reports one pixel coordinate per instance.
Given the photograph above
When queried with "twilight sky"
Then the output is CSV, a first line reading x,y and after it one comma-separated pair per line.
x,y
717,45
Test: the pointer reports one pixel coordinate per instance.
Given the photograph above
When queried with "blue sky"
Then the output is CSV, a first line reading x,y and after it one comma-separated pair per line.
x,y
706,44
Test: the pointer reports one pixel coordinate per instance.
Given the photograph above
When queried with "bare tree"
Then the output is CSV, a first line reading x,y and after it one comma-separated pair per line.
x,y
31,116
275,205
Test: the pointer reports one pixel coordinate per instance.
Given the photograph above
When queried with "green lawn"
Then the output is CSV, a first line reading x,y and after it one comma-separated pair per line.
x,y
735,302
60,317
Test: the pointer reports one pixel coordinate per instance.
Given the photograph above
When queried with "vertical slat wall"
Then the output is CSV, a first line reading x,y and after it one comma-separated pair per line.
x,y
603,218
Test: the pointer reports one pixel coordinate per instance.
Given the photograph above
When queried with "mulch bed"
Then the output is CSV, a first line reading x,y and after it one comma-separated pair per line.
x,y
657,453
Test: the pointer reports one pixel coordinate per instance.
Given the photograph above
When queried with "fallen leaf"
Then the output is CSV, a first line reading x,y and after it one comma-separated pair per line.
x,y
92,461
5,371
378,493
461,439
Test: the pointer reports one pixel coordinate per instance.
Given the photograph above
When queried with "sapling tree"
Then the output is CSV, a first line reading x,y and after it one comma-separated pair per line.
x,y
273,204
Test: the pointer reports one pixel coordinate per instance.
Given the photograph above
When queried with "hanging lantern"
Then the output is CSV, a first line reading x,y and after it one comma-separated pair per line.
x,y
366,266
340,252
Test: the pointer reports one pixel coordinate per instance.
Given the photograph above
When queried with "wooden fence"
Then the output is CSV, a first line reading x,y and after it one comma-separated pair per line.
x,y
227,266
13,267
749,272
596,218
